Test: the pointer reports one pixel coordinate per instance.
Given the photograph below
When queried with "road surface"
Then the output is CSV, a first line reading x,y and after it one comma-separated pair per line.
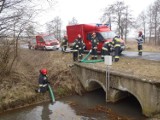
x,y
146,55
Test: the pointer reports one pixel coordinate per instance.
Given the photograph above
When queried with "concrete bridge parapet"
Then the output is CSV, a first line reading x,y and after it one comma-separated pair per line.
x,y
147,92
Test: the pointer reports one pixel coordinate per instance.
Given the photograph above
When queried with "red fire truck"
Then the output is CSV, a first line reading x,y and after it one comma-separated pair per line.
x,y
45,42
102,31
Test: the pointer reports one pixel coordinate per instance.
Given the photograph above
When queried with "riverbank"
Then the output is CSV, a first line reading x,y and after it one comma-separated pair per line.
x,y
18,88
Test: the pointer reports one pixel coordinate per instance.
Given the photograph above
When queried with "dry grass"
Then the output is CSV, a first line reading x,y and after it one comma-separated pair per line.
x,y
141,68
132,46
19,88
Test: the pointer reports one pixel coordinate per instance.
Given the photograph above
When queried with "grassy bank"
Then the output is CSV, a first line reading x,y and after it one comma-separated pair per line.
x,y
18,88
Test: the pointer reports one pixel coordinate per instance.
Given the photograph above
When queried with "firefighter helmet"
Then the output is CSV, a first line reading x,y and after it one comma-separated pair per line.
x,y
117,36
43,71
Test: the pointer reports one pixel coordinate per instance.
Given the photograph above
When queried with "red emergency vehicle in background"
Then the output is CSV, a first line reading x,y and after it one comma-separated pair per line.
x,y
45,42
102,31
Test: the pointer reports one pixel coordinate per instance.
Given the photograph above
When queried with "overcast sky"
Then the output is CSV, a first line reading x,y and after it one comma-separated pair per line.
x,y
85,11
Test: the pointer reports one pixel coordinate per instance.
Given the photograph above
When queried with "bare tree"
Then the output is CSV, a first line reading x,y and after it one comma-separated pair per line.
x,y
14,17
74,21
156,18
150,22
142,21
55,27
106,17
30,30
118,14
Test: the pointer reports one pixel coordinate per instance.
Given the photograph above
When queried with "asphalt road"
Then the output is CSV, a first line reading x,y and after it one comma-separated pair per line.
x,y
155,56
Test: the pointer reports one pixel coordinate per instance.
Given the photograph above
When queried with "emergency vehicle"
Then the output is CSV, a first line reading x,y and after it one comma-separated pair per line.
x,y
44,42
102,31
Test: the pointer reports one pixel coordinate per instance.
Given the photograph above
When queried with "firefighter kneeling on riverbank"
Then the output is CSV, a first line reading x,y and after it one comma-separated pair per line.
x,y
43,81
116,42
106,49
78,48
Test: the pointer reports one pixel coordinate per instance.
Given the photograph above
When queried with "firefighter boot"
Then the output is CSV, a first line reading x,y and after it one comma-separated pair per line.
x,y
92,58
80,57
140,53
75,56
116,58
95,57
102,57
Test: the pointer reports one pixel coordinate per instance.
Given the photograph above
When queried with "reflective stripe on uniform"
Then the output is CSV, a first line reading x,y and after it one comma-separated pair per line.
x,y
103,48
41,85
44,85
116,57
74,50
117,45
118,40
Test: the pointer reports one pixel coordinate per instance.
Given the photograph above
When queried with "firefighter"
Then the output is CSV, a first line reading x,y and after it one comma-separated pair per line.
x,y
43,81
78,48
106,49
116,42
64,43
140,40
95,42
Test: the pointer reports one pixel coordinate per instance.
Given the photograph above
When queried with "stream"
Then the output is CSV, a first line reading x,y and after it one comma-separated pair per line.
x,y
79,108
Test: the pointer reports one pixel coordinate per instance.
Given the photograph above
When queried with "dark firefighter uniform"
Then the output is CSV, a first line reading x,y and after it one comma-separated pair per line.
x,y
140,42
43,81
95,43
64,43
106,49
117,46
78,48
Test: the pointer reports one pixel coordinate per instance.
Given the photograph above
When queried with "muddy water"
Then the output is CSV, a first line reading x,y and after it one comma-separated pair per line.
x,y
78,108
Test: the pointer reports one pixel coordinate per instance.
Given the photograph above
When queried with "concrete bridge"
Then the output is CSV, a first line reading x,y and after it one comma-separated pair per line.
x,y
147,92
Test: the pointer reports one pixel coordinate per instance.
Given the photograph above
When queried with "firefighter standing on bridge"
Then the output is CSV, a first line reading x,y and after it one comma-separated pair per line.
x,y
78,48
64,43
106,49
140,40
116,42
95,42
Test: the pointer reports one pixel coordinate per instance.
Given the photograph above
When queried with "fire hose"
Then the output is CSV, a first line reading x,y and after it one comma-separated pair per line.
x,y
84,60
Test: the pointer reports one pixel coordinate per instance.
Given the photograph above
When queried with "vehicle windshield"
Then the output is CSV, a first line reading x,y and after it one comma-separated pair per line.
x,y
49,38
108,35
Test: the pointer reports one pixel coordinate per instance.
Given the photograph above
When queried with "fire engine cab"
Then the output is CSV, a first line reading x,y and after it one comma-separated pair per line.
x,y
44,42
102,31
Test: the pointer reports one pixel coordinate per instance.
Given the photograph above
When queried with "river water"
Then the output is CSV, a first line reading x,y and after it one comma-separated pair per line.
x,y
79,108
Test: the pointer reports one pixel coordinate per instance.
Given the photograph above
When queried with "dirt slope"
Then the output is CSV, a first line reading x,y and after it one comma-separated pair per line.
x,y
18,88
